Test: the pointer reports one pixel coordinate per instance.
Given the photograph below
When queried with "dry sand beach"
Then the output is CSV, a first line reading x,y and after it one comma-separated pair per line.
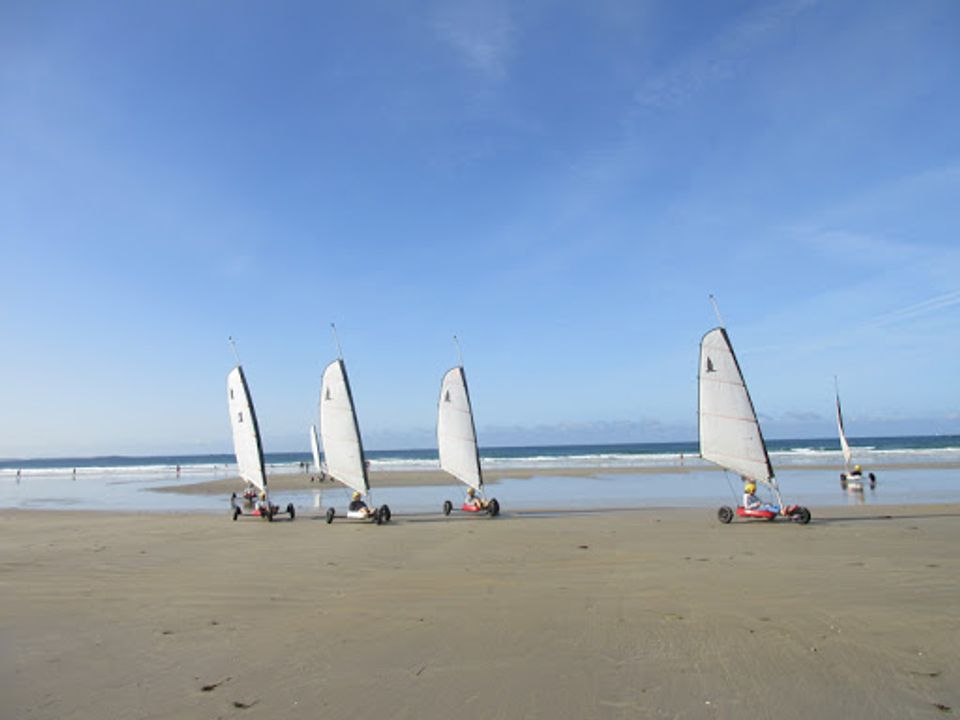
x,y
652,613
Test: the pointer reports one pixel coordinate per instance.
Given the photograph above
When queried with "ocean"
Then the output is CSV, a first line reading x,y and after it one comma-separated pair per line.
x,y
788,453
124,483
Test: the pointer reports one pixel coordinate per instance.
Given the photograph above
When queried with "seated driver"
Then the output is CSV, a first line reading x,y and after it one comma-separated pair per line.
x,y
857,473
752,502
263,504
357,504
474,501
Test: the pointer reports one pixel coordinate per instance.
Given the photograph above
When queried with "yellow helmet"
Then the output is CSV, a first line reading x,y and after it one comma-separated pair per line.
x,y
471,492
263,494
750,487
356,494
857,468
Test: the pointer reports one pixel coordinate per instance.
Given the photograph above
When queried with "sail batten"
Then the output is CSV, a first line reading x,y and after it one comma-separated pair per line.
x,y
246,432
456,432
339,430
730,434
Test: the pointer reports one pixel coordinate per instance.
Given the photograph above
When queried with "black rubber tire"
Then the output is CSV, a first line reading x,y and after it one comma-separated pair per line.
x,y
725,514
493,508
385,513
269,514
237,513
378,516
802,515
331,513
291,511
843,477
447,507
873,480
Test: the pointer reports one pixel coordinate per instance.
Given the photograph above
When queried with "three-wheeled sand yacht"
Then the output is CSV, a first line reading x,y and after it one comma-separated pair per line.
x,y
730,435
850,479
249,452
342,446
457,443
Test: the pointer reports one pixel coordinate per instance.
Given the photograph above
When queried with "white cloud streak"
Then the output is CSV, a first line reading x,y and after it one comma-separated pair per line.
x,y
482,33
720,59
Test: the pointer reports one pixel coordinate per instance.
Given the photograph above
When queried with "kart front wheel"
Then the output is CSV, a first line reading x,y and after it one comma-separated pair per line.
x,y
385,513
291,511
331,513
803,515
725,514
493,508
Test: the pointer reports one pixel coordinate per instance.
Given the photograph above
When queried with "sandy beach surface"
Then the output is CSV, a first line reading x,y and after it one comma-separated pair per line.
x,y
650,614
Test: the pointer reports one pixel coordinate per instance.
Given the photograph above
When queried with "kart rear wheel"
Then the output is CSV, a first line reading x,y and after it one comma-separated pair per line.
x,y
447,507
236,513
331,513
291,511
493,508
725,514
802,515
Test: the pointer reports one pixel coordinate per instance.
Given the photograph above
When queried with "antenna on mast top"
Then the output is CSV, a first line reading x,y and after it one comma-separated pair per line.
x,y
716,309
459,354
337,340
233,345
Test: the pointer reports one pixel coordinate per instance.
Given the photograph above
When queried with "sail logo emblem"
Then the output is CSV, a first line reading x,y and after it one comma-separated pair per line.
x,y
446,396
710,367
329,396
239,417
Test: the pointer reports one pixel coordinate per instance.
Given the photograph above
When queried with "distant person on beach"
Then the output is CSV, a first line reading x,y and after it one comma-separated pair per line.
x,y
357,504
18,476
74,473
178,471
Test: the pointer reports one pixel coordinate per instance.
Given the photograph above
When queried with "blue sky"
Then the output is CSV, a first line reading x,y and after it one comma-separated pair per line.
x,y
560,184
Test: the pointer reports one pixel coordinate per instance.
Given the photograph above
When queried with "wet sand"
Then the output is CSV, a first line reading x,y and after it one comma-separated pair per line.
x,y
651,613
415,478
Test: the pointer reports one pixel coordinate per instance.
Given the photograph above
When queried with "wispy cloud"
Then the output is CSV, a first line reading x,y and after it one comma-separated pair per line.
x,y
482,33
720,59
929,306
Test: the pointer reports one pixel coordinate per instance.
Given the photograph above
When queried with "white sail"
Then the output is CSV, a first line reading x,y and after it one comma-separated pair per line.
x,y
729,432
246,432
315,447
456,434
844,445
339,430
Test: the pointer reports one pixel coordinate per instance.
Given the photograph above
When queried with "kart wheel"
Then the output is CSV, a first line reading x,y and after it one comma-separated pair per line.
x,y
873,480
330,515
385,513
291,511
270,515
493,508
725,514
447,507
843,478
802,515
236,513
378,516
